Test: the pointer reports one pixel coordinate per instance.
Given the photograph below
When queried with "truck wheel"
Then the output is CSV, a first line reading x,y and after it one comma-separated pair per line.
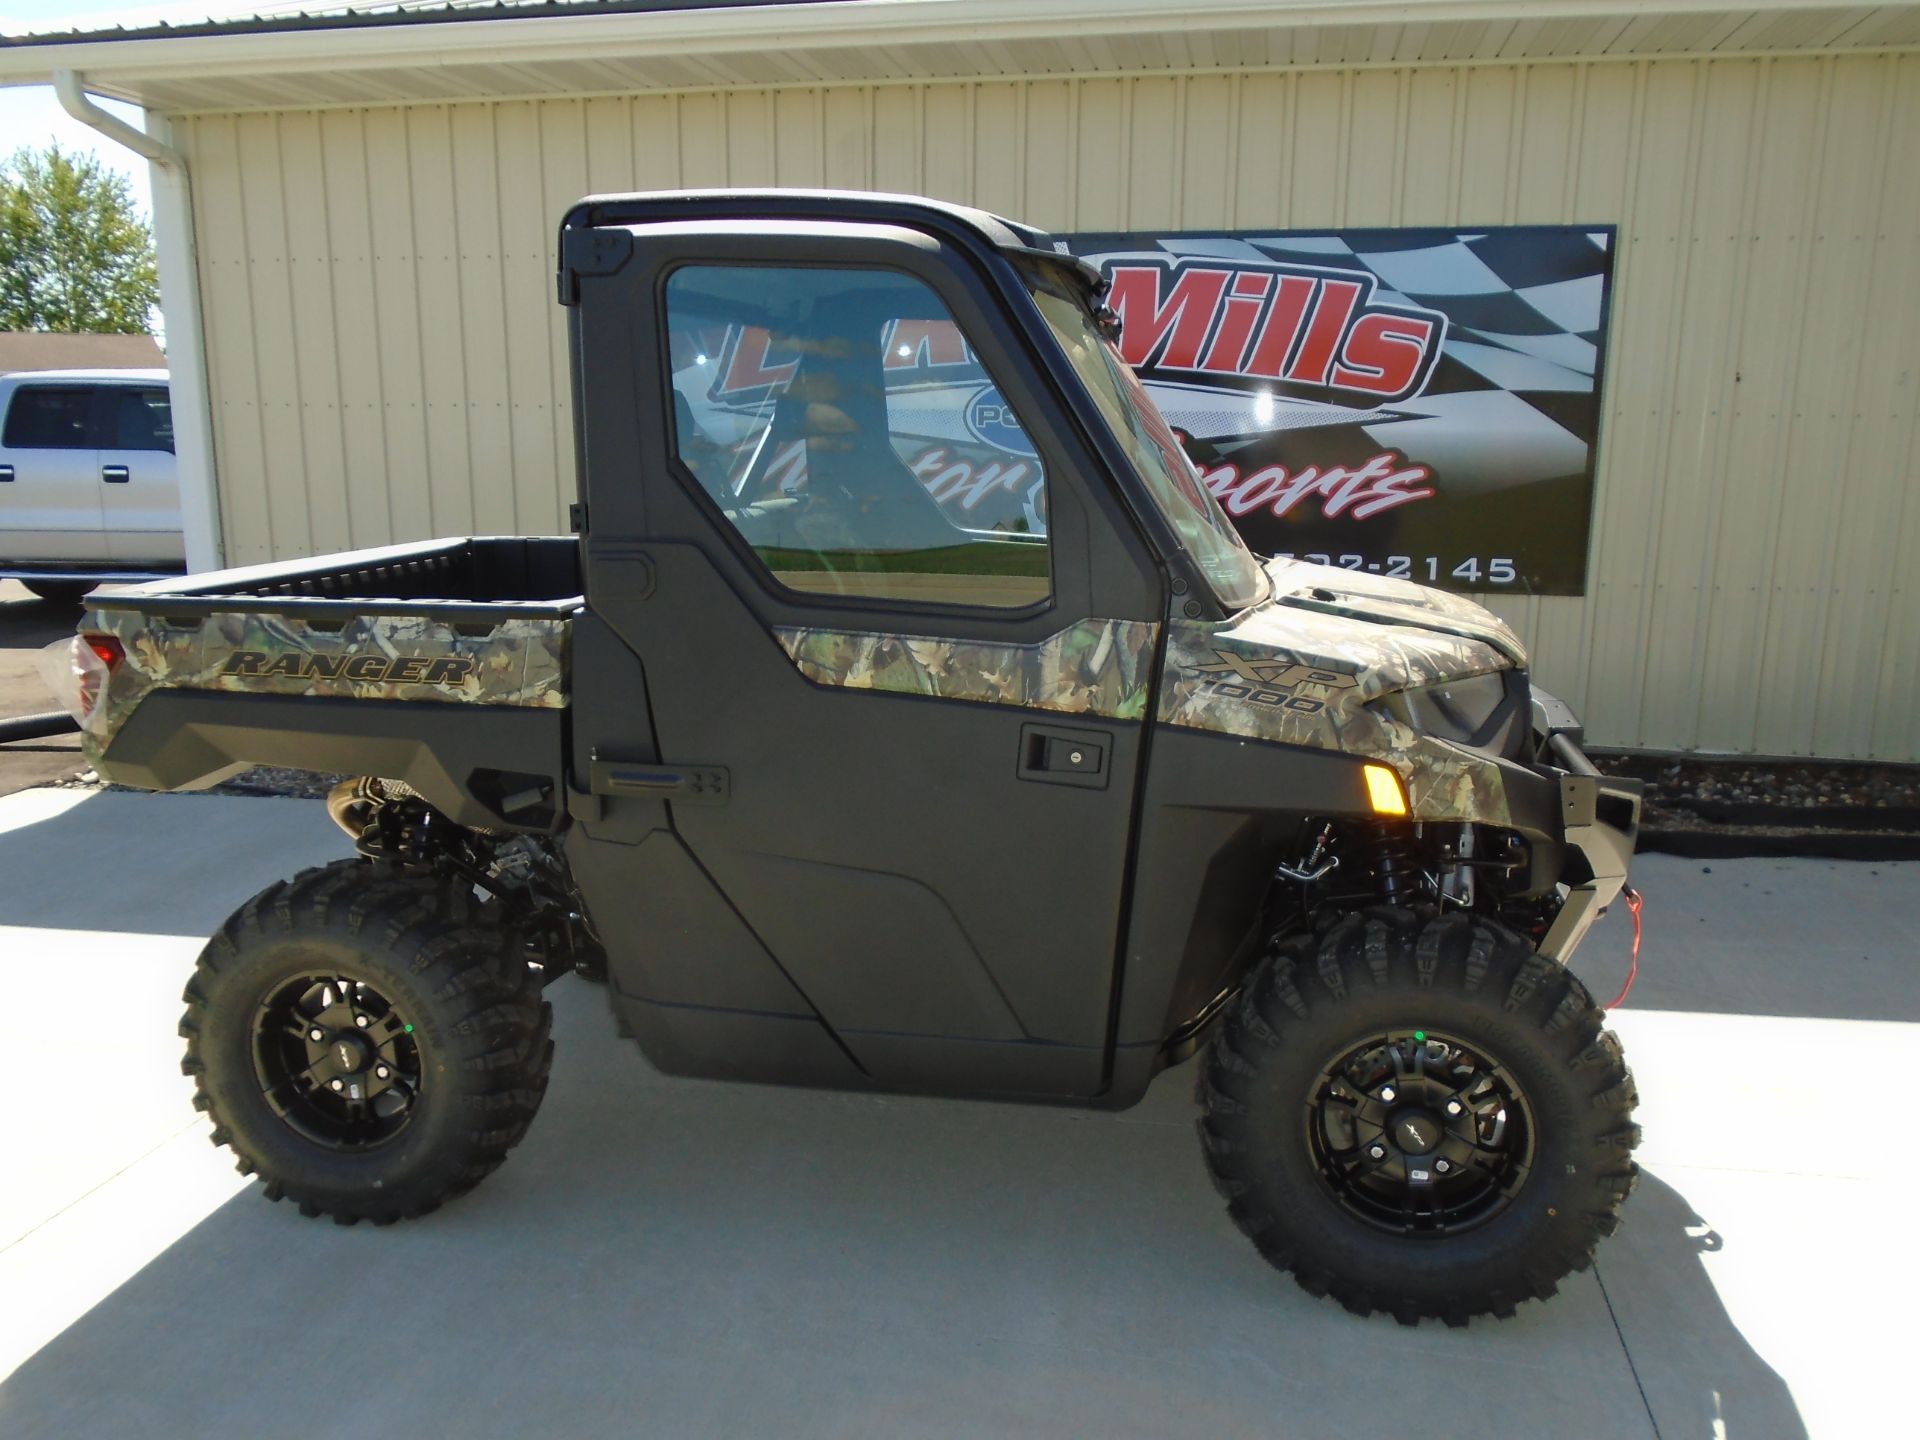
x,y
60,592
366,1041
1419,1115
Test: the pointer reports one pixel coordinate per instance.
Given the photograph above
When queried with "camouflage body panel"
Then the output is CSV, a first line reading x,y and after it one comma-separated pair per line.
x,y
515,661
1095,667
1299,675
1335,590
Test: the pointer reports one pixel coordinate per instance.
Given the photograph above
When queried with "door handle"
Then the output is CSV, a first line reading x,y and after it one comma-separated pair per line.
x,y
6,474
687,784
1055,755
115,474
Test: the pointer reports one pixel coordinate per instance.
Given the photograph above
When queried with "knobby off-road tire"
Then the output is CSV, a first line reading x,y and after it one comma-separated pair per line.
x,y
475,1045
1378,978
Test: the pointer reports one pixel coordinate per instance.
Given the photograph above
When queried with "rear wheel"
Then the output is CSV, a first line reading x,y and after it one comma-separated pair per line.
x,y
60,592
1419,1115
366,1041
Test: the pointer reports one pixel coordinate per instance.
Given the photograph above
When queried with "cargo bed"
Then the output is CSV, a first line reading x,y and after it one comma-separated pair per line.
x,y
535,575
442,664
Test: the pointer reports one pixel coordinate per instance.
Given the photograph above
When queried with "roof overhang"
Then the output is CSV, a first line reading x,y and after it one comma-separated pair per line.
x,y
494,55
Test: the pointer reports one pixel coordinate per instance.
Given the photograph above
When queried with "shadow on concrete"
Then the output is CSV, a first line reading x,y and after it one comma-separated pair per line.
x,y
151,864
1697,1371
685,1258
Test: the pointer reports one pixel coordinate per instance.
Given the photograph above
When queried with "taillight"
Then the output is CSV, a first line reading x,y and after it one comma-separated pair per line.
x,y
77,670
107,647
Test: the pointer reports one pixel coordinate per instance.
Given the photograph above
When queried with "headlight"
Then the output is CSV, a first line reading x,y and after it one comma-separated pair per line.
x,y
1478,710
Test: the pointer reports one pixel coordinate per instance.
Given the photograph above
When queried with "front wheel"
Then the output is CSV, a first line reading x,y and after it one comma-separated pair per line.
x,y
367,1039
1419,1115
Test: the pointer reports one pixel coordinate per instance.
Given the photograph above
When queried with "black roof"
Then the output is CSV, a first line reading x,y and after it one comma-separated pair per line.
x,y
796,203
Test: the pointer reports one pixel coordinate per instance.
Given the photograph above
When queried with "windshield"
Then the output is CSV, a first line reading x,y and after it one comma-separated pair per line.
x,y
1171,478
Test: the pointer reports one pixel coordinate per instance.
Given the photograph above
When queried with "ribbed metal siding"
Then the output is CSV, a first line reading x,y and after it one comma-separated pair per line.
x,y
387,361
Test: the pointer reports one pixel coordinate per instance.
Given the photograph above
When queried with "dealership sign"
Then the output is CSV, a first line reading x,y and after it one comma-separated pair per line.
x,y
1415,403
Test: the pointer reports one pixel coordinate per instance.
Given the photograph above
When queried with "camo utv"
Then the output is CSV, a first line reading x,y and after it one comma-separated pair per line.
x,y
837,783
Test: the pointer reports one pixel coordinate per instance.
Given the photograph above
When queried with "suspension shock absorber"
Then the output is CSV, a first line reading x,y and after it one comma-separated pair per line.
x,y
1395,865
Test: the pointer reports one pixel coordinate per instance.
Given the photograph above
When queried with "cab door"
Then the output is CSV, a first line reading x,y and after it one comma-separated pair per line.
x,y
897,643
139,487
49,483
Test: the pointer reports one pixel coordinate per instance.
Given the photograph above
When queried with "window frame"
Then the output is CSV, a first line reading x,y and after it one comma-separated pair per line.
x,y
106,424
89,397
769,580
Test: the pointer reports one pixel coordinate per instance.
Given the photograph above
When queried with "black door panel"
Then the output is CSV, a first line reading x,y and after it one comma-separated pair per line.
x,y
671,909
947,898
875,951
883,847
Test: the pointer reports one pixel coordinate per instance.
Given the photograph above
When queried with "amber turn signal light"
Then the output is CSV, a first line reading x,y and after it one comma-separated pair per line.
x,y
1384,791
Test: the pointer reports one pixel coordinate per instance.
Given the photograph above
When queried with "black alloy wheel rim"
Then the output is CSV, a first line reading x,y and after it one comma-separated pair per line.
x,y
1419,1133
336,1061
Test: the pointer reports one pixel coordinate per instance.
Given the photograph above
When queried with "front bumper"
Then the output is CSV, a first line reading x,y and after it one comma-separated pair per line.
x,y
1600,819
1593,821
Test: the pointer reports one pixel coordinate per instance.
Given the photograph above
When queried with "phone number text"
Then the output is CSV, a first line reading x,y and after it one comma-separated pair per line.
x,y
1474,570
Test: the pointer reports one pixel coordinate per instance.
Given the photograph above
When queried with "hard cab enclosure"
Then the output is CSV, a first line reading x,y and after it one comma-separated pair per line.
x,y
853,786
905,715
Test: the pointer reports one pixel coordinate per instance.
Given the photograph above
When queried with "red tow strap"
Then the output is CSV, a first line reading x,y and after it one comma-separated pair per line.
x,y
1636,902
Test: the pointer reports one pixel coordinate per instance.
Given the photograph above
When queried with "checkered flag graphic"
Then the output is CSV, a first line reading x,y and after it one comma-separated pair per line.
x,y
1506,421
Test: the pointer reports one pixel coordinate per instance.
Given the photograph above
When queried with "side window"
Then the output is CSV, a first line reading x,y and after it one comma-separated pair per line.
x,y
141,420
45,418
846,429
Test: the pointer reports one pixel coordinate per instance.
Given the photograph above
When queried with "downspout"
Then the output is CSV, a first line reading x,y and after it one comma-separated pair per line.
x,y
180,300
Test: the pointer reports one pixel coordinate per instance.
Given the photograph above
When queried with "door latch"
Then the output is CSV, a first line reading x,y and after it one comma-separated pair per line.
x,y
1055,755
642,779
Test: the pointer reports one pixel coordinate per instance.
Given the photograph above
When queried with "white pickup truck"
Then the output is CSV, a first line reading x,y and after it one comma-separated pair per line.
x,y
88,492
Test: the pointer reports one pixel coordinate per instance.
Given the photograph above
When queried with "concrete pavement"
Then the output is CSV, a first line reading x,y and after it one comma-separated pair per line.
x,y
668,1257
26,624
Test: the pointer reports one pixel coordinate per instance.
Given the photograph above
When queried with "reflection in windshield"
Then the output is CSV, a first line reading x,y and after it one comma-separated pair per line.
x,y
1171,479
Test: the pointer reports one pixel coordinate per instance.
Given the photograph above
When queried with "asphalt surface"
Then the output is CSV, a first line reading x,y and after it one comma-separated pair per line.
x,y
27,623
668,1257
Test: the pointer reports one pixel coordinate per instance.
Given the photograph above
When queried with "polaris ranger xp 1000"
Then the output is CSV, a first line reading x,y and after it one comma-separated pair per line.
x,y
903,714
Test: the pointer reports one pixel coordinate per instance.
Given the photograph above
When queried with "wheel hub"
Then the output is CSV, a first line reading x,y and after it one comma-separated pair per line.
x,y
336,1061
350,1053
1416,1132
1420,1133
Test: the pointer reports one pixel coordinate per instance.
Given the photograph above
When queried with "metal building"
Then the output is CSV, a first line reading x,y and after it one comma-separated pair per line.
x,y
356,217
